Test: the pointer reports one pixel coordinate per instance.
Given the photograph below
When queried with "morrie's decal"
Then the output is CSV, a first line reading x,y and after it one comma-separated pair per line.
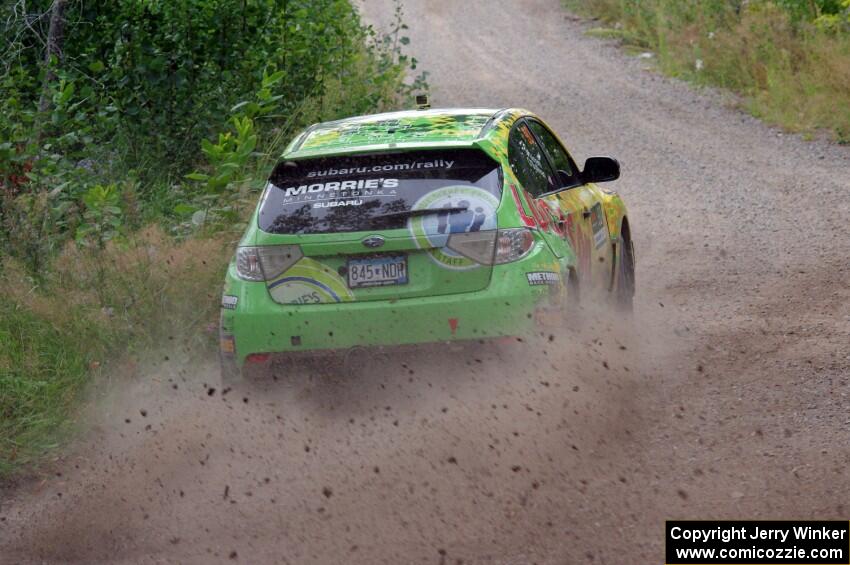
x,y
339,185
309,282
543,277
408,166
228,302
597,222
331,193
431,231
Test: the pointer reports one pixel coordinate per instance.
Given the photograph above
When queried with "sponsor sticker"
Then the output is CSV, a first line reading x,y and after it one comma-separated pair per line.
x,y
538,278
432,231
338,203
597,221
330,193
309,282
229,302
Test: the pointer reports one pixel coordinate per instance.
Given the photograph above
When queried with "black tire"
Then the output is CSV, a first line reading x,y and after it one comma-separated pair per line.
x,y
572,308
626,274
245,380
279,370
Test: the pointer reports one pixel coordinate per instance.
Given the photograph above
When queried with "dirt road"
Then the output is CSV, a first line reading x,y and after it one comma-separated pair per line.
x,y
727,397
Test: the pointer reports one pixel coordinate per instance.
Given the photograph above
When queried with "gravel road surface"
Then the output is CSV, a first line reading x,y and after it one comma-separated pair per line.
x,y
725,397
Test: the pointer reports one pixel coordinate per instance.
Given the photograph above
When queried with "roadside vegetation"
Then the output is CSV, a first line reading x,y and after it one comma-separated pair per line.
x,y
790,59
134,138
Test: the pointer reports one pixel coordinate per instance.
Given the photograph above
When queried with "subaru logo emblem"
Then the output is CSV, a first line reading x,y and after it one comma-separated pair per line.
x,y
373,241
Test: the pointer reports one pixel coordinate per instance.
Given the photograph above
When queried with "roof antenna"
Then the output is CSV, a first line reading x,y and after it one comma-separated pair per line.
x,y
422,102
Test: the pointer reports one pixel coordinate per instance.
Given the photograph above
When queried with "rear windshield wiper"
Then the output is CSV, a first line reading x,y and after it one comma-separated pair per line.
x,y
423,212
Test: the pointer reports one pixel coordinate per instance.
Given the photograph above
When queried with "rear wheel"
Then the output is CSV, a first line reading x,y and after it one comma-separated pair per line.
x,y
572,310
626,273
242,378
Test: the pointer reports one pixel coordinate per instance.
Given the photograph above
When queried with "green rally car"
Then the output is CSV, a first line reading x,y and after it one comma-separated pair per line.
x,y
421,226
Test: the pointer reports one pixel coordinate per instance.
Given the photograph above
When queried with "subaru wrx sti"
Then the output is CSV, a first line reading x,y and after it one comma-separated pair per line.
x,y
421,226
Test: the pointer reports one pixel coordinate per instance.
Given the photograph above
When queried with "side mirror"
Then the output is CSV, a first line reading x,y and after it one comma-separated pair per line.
x,y
600,169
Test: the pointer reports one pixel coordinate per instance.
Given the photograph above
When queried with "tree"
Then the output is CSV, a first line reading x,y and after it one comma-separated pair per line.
x,y
53,50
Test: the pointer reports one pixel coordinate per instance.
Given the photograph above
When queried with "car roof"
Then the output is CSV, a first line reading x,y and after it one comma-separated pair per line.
x,y
446,127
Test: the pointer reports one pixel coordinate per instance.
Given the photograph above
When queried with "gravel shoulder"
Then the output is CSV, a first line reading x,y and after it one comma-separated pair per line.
x,y
725,397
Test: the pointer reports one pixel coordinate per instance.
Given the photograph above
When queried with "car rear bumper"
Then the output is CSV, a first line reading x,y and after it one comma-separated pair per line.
x,y
509,306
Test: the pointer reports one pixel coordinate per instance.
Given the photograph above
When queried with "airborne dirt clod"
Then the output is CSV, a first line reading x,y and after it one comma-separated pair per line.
x,y
725,396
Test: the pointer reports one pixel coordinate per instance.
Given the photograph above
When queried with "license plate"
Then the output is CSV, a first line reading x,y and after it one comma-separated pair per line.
x,y
377,271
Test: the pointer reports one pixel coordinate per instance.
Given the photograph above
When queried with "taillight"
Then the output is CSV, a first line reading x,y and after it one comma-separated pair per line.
x,y
265,263
248,264
513,244
493,247
477,245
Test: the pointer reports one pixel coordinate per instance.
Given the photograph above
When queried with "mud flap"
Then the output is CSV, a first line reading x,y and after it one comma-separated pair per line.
x,y
230,373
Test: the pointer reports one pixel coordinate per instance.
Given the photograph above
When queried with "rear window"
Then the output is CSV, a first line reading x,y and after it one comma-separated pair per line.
x,y
378,191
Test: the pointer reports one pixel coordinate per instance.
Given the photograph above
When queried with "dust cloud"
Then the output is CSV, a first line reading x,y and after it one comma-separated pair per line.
x,y
440,453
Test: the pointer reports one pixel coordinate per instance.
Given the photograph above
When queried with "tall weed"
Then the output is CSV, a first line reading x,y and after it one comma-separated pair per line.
x,y
97,304
790,60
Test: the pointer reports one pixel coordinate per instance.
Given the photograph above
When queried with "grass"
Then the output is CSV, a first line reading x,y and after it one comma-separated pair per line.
x,y
41,374
791,72
95,307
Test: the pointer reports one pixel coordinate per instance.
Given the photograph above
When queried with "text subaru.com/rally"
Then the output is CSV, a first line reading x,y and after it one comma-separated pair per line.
x,y
421,226
439,164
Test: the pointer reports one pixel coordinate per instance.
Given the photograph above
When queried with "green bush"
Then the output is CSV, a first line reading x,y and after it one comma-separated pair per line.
x,y
127,164
141,85
171,70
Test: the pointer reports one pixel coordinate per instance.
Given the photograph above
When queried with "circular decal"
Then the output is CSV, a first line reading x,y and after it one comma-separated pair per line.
x,y
309,282
432,231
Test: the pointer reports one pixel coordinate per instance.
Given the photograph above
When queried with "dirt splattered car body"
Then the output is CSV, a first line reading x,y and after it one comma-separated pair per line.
x,y
421,226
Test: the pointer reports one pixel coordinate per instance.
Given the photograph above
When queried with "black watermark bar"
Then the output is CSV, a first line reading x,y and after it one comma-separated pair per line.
x,y
751,542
